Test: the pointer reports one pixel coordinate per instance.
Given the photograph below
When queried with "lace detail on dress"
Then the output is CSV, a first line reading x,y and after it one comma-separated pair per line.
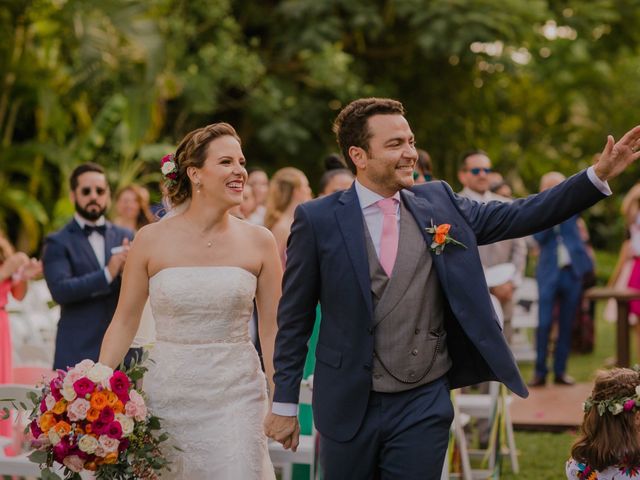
x,y
207,383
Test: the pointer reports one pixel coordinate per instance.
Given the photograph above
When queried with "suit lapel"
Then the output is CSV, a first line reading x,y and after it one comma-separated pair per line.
x,y
110,241
351,223
424,215
84,247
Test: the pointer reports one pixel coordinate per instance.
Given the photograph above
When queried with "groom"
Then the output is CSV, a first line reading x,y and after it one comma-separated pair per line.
x,y
401,324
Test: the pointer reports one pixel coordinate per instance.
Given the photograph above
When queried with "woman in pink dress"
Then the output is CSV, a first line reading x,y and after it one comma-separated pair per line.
x,y
16,268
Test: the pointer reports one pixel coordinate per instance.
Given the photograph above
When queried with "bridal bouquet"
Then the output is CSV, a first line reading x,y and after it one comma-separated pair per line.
x,y
93,418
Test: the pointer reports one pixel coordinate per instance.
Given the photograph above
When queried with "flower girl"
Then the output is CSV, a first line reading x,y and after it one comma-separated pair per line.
x,y
608,446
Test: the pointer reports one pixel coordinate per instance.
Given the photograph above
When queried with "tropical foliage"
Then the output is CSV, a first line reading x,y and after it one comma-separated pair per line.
x,y
536,83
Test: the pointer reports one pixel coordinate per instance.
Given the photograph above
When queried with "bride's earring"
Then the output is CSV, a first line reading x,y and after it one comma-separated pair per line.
x,y
198,187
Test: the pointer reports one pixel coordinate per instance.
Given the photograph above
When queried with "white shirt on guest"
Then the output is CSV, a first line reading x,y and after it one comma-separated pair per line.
x,y
96,241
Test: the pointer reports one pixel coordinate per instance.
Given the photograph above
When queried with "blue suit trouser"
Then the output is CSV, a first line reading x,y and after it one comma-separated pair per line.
x,y
403,436
566,290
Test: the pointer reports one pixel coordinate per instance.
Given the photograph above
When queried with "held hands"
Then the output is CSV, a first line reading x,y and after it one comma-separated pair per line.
x,y
284,430
117,260
616,156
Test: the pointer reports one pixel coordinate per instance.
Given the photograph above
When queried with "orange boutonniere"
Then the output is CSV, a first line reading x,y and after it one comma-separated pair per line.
x,y
441,237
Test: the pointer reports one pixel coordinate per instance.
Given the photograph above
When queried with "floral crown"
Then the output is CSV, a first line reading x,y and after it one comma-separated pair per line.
x,y
169,168
616,405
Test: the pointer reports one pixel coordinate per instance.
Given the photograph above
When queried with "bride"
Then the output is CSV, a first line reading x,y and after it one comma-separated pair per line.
x,y
201,269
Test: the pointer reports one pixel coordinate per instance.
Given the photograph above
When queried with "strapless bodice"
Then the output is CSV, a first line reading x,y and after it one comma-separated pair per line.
x,y
200,305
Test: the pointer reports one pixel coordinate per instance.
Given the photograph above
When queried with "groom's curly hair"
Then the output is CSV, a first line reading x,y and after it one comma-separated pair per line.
x,y
351,127
192,152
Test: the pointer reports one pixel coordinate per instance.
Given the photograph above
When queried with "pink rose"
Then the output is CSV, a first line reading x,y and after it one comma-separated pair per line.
x,y
74,463
77,410
99,427
72,377
43,405
83,387
120,385
134,410
136,397
107,415
629,404
55,386
61,450
109,444
35,429
114,430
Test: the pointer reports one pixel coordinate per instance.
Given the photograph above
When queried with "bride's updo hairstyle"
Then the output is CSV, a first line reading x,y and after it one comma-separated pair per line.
x,y
192,152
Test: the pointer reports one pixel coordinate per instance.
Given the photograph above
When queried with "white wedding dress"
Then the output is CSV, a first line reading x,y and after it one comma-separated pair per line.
x,y
206,383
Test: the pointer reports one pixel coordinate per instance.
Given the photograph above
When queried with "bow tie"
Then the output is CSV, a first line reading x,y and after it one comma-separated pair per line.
x,y
89,229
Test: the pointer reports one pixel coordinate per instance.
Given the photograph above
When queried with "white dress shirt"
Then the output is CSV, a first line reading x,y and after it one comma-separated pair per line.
x,y
96,241
373,219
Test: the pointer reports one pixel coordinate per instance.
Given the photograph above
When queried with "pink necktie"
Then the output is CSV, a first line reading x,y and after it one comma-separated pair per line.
x,y
389,238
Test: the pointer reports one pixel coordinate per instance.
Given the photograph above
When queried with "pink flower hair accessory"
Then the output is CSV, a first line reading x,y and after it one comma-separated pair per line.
x,y
169,168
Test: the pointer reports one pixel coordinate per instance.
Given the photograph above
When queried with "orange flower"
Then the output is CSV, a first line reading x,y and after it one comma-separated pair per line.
x,y
98,400
118,407
112,398
60,407
47,421
440,238
443,229
111,458
93,414
88,428
91,466
62,428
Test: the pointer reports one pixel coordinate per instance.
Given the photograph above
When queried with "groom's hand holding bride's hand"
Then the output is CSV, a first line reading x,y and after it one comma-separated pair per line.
x,y
284,430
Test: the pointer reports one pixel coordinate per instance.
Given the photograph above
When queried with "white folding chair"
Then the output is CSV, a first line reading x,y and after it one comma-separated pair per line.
x,y
488,406
306,452
18,465
459,439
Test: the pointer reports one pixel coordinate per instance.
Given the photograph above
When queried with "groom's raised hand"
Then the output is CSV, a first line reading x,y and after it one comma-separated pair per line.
x,y
616,156
284,430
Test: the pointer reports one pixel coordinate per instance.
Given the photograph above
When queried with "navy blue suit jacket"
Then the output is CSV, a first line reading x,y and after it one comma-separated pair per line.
x,y
327,262
547,271
78,284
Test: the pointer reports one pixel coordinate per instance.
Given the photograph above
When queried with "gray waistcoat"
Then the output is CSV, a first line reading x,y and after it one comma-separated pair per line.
x,y
410,342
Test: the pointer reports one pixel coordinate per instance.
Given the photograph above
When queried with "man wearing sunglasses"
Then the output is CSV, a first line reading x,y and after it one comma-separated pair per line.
x,y
82,266
473,173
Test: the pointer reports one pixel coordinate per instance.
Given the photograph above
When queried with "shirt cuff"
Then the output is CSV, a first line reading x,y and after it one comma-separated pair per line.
x,y
599,184
285,409
107,275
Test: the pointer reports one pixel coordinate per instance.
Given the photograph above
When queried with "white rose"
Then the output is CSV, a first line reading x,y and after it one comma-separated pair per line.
x,y
109,444
68,393
617,408
84,366
49,401
88,444
638,391
54,437
168,167
100,374
126,423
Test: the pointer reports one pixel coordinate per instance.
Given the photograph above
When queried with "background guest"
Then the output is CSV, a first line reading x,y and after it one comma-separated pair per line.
x,y
16,268
82,265
289,188
562,264
336,177
424,168
473,173
131,208
259,183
